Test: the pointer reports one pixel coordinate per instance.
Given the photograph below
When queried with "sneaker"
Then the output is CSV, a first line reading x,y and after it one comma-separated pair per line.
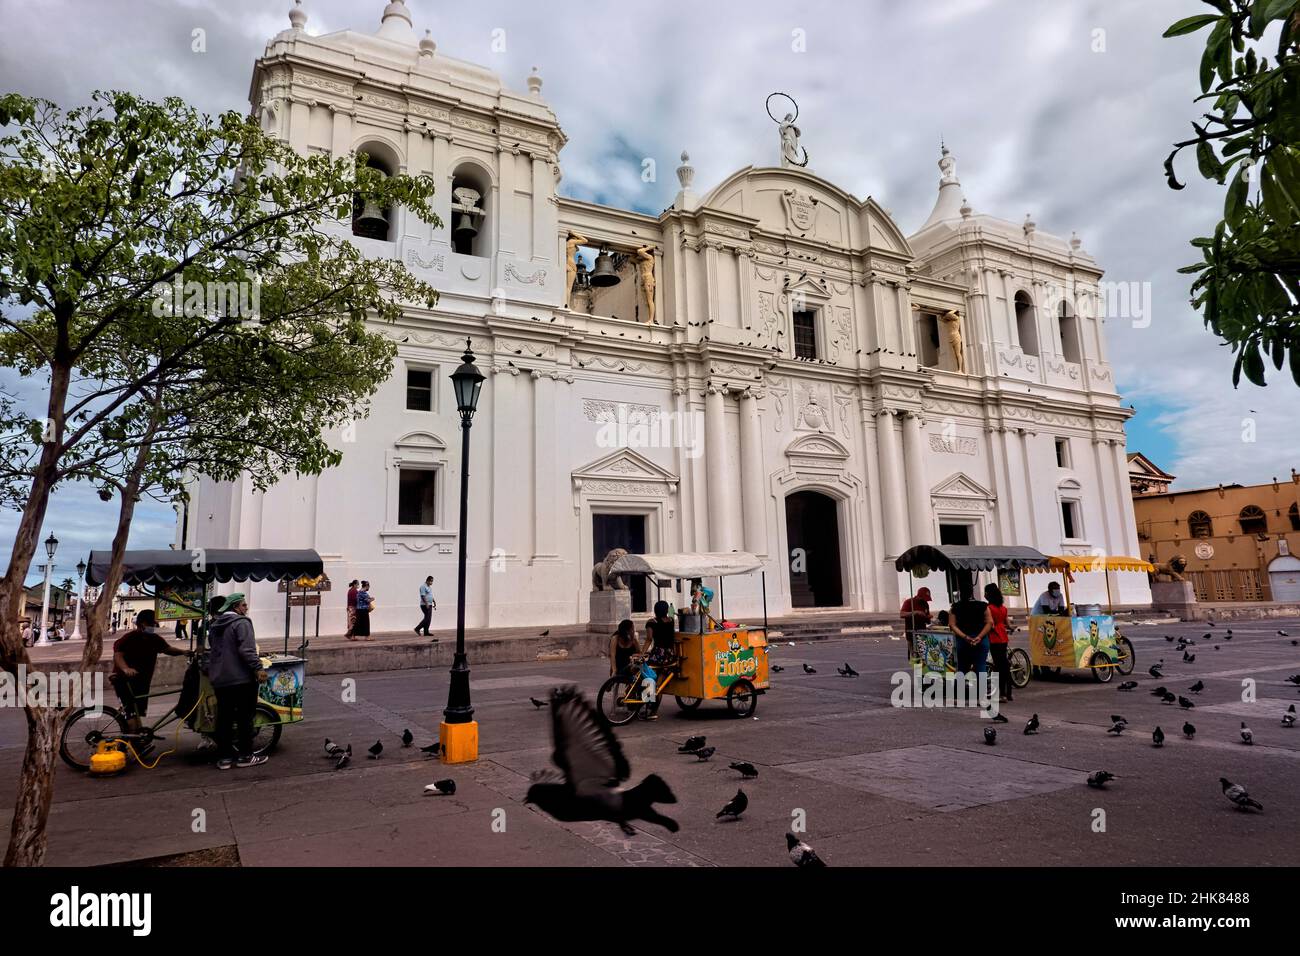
x,y
225,763
252,761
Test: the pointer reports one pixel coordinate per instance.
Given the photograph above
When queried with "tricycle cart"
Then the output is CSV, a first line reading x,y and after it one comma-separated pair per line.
x,y
713,661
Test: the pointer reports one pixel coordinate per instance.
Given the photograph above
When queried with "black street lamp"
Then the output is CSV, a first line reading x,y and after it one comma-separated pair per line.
x,y
467,382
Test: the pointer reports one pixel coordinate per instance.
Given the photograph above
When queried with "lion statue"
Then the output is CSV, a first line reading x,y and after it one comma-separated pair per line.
x,y
1172,570
601,580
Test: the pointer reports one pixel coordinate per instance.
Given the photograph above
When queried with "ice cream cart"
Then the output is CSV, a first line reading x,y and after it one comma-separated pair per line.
x,y
716,660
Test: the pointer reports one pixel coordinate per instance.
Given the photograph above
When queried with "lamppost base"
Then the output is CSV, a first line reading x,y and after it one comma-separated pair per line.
x,y
459,742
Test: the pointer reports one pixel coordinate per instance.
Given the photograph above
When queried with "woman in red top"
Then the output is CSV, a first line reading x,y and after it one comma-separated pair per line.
x,y
998,640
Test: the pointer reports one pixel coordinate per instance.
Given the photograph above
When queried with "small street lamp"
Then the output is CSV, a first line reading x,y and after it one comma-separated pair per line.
x,y
51,545
459,731
76,614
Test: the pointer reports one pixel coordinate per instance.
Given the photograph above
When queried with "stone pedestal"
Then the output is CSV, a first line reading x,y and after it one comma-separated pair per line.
x,y
1176,597
608,608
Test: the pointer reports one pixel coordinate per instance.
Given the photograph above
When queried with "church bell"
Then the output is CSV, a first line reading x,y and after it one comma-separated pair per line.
x,y
603,273
372,222
466,227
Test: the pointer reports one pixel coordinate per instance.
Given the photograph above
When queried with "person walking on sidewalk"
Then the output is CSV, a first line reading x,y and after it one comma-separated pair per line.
x,y
365,604
235,671
352,608
427,606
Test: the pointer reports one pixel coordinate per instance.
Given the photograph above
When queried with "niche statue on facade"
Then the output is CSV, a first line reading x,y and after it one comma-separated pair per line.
x,y
645,257
952,324
571,265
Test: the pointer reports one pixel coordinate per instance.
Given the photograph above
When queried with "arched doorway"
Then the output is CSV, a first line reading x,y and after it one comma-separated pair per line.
x,y
1284,579
812,526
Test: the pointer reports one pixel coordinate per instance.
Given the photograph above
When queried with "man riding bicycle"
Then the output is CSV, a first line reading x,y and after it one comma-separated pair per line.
x,y
135,655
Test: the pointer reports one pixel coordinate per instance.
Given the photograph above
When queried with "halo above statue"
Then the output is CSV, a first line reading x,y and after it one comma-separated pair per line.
x,y
792,154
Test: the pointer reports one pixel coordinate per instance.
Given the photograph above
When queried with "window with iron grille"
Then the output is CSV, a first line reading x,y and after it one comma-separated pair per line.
x,y
805,334
1200,525
419,390
1252,520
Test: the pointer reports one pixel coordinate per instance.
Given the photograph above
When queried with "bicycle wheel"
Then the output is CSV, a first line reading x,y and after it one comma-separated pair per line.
x,y
266,729
1018,659
1126,656
1102,668
612,702
689,703
742,698
83,732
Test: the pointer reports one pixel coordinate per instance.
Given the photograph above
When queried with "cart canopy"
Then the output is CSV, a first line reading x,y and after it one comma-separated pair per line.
x,y
970,557
700,565
1093,562
203,565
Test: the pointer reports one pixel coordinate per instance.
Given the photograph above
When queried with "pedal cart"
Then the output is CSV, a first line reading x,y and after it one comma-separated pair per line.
x,y
715,659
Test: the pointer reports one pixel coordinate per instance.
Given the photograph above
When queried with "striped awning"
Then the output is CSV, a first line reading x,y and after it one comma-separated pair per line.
x,y
1082,563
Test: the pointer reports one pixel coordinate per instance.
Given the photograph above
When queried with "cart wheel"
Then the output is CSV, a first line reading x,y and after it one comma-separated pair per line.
x,y
1127,658
1101,667
742,699
1020,668
83,732
611,701
689,703
267,728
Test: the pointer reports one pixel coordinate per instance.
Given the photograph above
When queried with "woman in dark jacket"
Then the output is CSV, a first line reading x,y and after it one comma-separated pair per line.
x,y
971,623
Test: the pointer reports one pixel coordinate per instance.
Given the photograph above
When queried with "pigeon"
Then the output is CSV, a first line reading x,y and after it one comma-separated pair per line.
x,y
735,806
1189,658
332,749
747,770
705,752
1170,697
776,668
408,738
1216,647
545,633
809,670
801,853
1117,728
692,744
1226,637
447,787
1188,730
1169,638
1127,685
1238,795
846,671
1294,679
589,766
432,749
1099,778
1118,719
1197,687
1158,737
1185,704
1032,726
1154,671
1295,643
344,758
376,750
1160,691
1281,633
1288,719
1246,736
1207,635
990,736
539,704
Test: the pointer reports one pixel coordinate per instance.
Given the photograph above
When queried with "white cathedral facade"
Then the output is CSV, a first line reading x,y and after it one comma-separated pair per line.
x,y
771,365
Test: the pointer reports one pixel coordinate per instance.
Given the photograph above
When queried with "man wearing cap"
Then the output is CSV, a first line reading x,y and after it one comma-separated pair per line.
x,y
235,671
915,613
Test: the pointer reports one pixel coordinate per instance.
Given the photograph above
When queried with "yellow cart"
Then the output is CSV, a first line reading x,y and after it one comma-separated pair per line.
x,y
1088,641
713,662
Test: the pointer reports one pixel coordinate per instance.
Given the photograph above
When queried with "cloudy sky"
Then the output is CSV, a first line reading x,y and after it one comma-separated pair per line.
x,y
1062,109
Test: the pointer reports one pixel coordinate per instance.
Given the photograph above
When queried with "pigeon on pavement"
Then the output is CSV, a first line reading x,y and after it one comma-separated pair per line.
x,y
1154,671
1246,736
809,670
447,787
705,753
407,737
332,749
990,736
1188,730
1127,685
801,853
1160,691
376,749
846,671
1197,687
746,769
589,766
1288,719
1294,679
1189,658
1099,778
776,668
1170,697
539,704
344,758
1238,795
735,806
1032,726
1185,704
1117,728
1158,737
692,744
432,749
1001,719
1118,719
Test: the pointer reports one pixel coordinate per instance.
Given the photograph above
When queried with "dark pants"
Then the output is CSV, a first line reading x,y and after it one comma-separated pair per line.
x,y
235,707
427,611
972,657
1002,664
130,696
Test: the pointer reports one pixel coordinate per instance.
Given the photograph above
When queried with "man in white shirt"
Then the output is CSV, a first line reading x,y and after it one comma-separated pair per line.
x,y
427,606
1051,601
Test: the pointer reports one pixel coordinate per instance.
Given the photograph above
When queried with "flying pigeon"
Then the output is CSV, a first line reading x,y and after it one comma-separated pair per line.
x,y
1158,737
705,753
1188,730
539,704
1197,687
589,765
344,758
432,749
1117,728
990,736
801,853
1238,795
1032,726
735,806
1185,704
809,670
376,750
1099,778
1127,685
747,770
407,737
447,787
331,748
692,744
1246,736
846,671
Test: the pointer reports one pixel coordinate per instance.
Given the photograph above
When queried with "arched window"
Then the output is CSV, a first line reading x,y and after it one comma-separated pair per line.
x,y
1253,520
469,210
369,221
1200,525
1293,513
1026,324
1069,327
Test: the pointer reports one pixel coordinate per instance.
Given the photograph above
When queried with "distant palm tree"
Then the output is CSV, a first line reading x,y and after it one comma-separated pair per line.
x,y
68,585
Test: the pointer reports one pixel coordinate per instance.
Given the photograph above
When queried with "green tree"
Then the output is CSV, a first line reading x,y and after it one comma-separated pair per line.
x,y
186,289
1248,282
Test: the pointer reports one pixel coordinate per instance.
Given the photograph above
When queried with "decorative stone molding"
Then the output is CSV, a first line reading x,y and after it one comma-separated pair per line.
x,y
435,262
960,492
539,276
623,474
953,446
602,411
541,350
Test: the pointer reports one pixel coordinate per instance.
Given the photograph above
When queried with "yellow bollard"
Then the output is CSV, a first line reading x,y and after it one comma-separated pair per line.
x,y
459,742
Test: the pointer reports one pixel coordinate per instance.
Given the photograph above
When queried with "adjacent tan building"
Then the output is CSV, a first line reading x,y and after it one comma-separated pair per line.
x,y
1240,542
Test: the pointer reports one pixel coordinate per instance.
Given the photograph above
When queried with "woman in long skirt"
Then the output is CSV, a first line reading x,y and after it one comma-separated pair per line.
x,y
364,603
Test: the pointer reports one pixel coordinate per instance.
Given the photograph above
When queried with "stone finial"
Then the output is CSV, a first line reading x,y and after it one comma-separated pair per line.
x,y
396,24
427,46
535,82
297,17
965,208
397,8
947,166
1075,242
686,172
1030,225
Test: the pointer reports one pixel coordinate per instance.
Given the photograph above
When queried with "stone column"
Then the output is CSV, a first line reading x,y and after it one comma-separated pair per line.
x,y
721,534
1001,483
919,510
875,514
544,212
1027,476
506,523
892,491
1128,537
546,498
441,201
753,474
1114,533
505,204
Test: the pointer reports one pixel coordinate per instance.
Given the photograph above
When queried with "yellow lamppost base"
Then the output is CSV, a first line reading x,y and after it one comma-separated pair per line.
x,y
459,742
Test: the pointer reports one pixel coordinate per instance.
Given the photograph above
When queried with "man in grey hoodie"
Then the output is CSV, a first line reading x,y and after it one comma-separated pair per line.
x,y
235,671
